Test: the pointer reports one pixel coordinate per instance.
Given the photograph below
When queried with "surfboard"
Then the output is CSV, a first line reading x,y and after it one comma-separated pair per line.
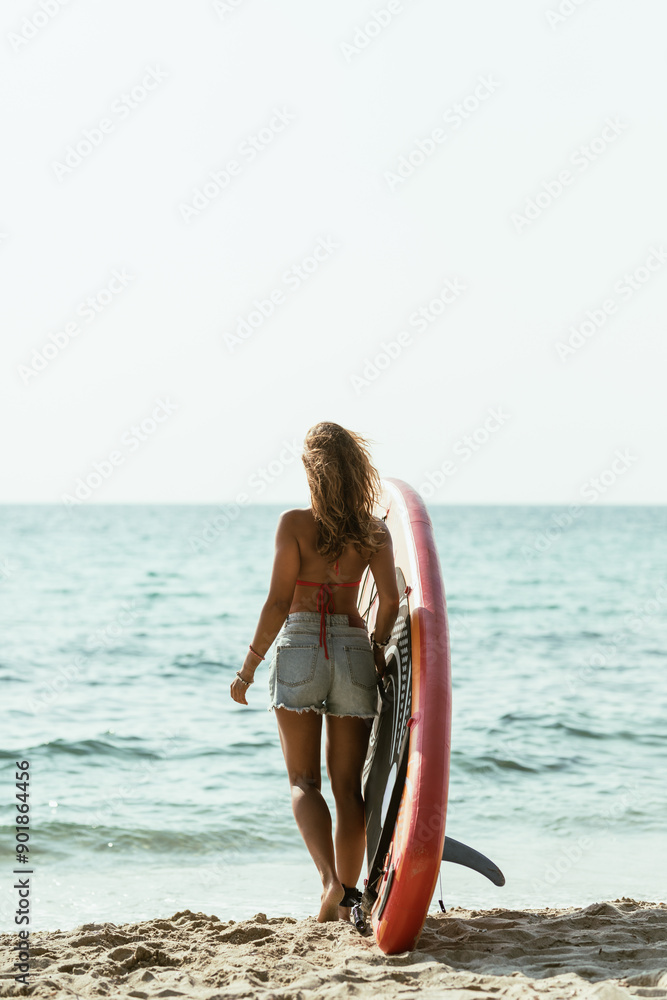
x,y
406,773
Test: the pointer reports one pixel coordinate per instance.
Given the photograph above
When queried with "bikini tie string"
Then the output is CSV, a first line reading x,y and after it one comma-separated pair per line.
x,y
325,605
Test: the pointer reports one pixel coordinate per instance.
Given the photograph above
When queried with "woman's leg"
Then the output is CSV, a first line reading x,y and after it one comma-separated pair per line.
x,y
300,738
347,742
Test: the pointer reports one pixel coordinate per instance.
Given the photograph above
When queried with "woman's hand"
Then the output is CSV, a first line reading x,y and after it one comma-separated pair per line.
x,y
380,661
238,689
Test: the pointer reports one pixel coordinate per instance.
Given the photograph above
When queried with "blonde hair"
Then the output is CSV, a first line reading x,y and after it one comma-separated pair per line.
x,y
344,487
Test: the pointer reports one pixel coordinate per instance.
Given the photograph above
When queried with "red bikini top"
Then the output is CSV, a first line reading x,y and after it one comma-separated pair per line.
x,y
325,604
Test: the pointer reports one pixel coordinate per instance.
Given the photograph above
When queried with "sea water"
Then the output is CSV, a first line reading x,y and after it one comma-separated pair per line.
x,y
151,791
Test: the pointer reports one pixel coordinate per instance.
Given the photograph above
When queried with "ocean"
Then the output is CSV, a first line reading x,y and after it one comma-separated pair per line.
x,y
152,792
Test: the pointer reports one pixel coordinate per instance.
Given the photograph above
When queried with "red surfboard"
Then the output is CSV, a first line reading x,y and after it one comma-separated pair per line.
x,y
406,774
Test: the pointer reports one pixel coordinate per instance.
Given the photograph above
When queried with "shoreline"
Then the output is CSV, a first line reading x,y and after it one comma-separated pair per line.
x,y
606,950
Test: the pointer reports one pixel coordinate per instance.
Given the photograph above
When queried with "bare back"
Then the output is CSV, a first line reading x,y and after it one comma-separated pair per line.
x,y
315,568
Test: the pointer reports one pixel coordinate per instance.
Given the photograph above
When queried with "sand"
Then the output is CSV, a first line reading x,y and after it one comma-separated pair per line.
x,y
605,951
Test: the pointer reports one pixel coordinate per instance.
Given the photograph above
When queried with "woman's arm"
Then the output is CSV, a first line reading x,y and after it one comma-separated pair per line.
x,y
286,562
384,573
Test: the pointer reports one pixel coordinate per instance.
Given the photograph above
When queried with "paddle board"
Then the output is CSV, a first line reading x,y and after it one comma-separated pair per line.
x,y
406,773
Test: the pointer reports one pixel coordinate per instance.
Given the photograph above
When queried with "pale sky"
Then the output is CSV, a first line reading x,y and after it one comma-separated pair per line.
x,y
443,225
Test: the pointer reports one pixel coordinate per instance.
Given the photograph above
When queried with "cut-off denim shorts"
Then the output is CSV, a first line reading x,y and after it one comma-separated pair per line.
x,y
302,679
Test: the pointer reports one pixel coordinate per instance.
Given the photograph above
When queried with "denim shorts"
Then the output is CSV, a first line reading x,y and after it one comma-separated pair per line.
x,y
302,679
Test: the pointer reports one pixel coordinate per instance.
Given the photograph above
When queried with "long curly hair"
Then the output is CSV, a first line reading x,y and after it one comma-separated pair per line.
x,y
344,487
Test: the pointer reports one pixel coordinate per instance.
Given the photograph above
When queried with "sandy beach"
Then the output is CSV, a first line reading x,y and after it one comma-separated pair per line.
x,y
607,950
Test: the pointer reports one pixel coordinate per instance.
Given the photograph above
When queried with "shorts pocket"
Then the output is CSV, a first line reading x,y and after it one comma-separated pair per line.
x,y
361,665
295,664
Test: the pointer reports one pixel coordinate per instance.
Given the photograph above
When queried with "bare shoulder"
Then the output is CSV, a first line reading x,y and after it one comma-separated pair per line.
x,y
296,519
383,536
382,529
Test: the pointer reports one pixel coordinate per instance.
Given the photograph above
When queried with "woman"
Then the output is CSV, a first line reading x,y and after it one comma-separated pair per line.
x,y
324,662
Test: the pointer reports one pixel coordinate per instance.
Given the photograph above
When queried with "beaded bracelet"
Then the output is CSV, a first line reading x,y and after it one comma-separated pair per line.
x,y
255,652
247,683
381,645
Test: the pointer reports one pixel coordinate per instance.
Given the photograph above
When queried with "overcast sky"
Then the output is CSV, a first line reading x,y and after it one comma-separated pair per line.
x,y
440,224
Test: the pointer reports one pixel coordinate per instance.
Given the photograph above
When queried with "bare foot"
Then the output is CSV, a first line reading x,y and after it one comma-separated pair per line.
x,y
344,913
332,894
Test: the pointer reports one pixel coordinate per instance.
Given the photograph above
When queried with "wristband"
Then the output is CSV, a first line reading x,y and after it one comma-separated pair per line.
x,y
243,681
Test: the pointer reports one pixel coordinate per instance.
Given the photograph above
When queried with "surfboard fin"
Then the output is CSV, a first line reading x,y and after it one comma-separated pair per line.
x,y
461,854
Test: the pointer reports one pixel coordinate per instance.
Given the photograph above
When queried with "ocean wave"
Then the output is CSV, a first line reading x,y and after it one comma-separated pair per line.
x,y
489,762
89,748
632,736
191,661
523,717
61,839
